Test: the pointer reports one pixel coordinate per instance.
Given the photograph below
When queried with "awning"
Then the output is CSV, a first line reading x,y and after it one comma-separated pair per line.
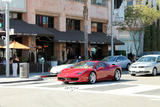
x,y
22,28
78,36
101,38
68,36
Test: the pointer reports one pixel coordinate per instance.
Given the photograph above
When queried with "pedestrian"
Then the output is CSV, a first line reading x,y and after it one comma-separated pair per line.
x,y
15,65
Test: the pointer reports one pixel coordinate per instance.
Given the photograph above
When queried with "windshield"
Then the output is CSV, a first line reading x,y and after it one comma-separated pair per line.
x,y
147,59
70,61
84,65
109,59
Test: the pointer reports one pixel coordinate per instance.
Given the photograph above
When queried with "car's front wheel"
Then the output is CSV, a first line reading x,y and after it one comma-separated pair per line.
x,y
92,78
154,72
117,75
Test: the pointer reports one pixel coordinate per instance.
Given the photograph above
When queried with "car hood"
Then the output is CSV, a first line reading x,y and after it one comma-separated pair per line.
x,y
143,63
74,71
59,68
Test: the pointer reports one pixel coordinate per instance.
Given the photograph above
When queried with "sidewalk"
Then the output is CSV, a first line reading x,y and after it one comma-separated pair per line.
x,y
32,77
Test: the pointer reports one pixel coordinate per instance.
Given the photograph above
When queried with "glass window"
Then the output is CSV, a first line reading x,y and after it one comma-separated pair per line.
x,y
45,21
100,2
147,59
117,4
79,0
96,27
158,59
84,65
100,64
16,16
72,24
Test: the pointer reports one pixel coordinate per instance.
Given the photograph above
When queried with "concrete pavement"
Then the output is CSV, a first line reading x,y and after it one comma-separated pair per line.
x,y
32,77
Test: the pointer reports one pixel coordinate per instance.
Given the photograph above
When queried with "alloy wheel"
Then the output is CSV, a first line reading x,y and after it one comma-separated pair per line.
x,y
92,78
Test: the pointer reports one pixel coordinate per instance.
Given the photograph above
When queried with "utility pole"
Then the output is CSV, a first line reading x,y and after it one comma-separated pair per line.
x,y
85,15
7,36
112,43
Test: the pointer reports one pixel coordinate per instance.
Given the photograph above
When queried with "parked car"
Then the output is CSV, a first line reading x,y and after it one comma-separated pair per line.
x,y
120,60
147,64
57,69
90,71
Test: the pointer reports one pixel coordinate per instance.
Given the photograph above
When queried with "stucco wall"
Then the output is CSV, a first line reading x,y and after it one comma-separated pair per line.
x,y
65,9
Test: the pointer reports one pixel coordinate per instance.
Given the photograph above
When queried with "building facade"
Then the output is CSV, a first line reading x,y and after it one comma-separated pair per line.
x,y
64,17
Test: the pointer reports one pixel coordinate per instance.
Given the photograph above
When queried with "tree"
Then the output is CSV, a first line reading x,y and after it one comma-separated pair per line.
x,y
136,19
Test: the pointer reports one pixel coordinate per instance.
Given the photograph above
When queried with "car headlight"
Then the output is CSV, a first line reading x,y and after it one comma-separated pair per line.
x,y
81,72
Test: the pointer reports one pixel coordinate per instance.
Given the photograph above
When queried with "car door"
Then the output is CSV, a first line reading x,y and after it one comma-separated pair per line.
x,y
119,61
158,64
101,72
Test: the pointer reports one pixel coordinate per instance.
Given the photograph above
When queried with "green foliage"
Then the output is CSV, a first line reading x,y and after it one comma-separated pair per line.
x,y
139,16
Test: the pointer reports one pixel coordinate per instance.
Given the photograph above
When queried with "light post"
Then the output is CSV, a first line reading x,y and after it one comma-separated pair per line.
x,y
112,43
85,15
7,36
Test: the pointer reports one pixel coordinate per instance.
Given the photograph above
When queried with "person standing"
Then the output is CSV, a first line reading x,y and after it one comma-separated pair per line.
x,y
15,66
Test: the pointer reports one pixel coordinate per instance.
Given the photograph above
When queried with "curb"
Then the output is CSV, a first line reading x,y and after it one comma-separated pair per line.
x,y
17,81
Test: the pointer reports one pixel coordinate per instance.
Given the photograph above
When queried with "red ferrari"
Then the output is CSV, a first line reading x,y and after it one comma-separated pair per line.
x,y
90,71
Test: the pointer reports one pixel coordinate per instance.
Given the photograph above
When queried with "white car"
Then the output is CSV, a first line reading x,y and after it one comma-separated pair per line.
x,y
148,64
57,69
120,60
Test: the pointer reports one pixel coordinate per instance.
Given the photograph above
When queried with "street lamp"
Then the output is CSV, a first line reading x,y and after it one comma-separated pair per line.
x,y
85,15
7,36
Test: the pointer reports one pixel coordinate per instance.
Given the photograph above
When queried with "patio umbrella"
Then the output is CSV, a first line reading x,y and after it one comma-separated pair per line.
x,y
16,45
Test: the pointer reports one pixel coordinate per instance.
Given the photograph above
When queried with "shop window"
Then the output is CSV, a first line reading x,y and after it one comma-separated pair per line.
x,y
72,24
96,27
45,21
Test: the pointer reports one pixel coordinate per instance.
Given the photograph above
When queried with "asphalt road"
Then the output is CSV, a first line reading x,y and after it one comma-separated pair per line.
x,y
131,91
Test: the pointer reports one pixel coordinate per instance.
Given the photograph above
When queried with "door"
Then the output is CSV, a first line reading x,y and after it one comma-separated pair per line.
x,y
101,73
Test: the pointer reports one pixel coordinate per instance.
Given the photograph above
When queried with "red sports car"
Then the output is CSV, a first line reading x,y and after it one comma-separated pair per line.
x,y
90,71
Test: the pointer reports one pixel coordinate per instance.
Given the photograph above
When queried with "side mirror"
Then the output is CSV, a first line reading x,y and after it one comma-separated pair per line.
x,y
100,68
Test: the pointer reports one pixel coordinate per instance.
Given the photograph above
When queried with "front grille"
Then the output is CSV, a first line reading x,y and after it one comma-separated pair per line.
x,y
60,78
141,67
70,79
134,66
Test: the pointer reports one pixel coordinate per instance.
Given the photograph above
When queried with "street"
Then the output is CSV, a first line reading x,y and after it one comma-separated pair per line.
x,y
128,92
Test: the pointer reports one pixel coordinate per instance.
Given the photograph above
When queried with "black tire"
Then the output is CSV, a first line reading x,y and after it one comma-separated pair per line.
x,y
117,75
133,74
154,72
92,78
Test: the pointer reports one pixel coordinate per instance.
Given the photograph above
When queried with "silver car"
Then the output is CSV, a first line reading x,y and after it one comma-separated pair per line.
x,y
120,60
148,64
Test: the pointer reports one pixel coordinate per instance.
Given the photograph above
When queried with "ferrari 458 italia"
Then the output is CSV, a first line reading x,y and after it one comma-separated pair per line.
x,y
90,71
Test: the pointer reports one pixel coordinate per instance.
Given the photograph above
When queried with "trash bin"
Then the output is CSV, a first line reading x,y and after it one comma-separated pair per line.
x,y
24,70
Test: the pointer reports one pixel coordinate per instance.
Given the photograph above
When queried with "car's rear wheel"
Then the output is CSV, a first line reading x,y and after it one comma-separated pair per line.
x,y
92,78
154,72
117,75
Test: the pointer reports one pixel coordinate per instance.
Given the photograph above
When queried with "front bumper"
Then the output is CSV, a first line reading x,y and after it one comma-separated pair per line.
x,y
141,71
81,78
